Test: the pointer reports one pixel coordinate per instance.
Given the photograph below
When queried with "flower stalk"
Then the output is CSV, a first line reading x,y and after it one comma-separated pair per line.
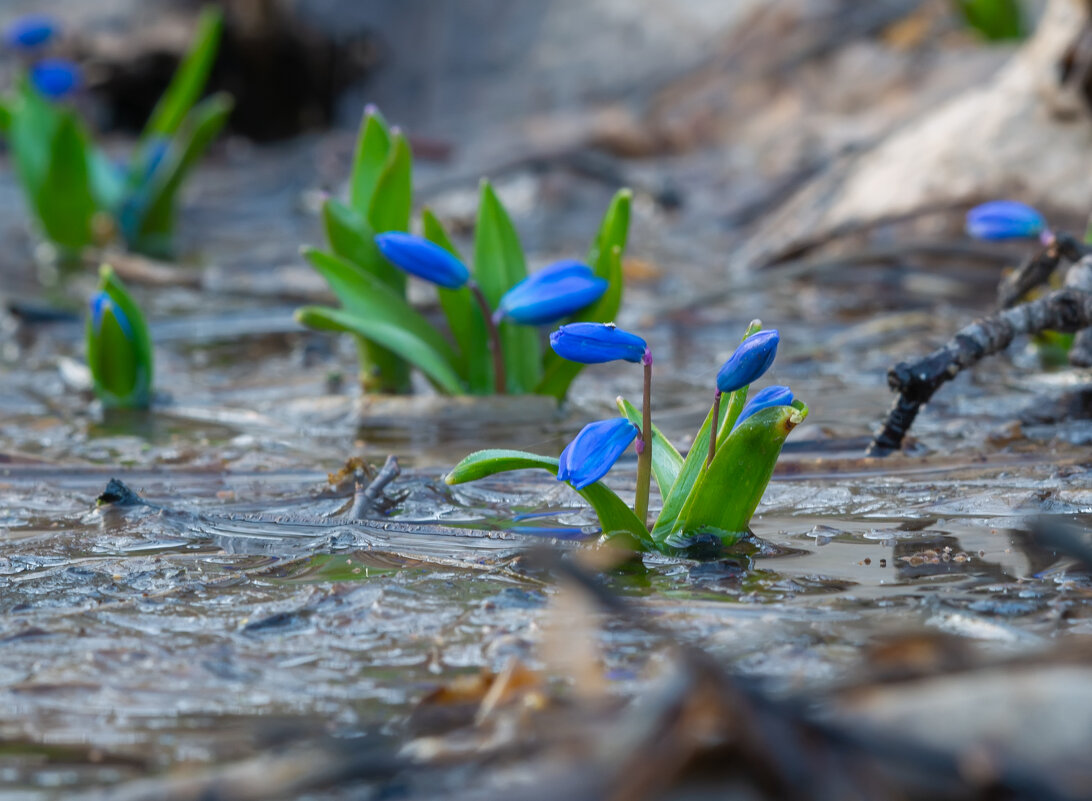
x,y
644,445
500,377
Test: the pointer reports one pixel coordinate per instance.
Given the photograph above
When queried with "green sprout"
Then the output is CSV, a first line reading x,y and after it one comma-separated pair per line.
x,y
119,348
491,307
81,197
708,496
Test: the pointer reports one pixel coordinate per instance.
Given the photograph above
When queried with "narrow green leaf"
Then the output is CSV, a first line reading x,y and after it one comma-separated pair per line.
x,y
119,362
107,181
5,118
364,295
34,122
392,201
464,317
394,337
614,515
64,200
155,206
498,265
188,82
666,460
699,451
727,494
605,259
373,145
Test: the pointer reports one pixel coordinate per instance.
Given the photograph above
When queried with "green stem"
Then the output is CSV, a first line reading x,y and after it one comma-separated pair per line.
x,y
713,430
500,380
644,446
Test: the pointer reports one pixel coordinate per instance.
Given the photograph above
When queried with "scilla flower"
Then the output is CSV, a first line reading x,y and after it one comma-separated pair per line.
x,y
749,361
765,399
596,343
119,352
593,451
30,32
417,256
1005,219
55,77
551,294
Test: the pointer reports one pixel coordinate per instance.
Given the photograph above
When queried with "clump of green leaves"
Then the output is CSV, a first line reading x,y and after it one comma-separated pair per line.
x,y
994,20
119,348
704,499
392,337
78,195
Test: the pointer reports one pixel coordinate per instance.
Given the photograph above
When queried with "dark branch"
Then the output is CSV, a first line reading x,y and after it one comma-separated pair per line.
x,y
1037,269
1065,310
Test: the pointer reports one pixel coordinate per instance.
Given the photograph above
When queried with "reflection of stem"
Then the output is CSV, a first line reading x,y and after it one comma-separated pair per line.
x,y
500,380
713,430
644,446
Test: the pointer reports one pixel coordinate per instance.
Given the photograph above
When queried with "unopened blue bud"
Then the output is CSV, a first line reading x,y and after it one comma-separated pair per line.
x,y
419,257
30,32
1004,219
552,294
765,399
55,77
749,361
595,343
593,451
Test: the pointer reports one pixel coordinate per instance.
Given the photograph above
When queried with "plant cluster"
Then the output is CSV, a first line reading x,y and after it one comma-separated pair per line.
x,y
491,308
77,193
710,495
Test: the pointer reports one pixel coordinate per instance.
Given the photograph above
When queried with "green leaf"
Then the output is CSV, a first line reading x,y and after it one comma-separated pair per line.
x,y
155,206
464,317
498,265
392,201
373,145
365,295
107,182
605,259
122,367
699,451
666,461
63,199
994,20
188,82
727,494
33,123
614,515
396,338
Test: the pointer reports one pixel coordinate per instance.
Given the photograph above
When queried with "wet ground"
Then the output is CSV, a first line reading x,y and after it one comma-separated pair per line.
x,y
153,641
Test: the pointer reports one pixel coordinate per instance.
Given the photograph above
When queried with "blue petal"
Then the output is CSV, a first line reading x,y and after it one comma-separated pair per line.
x,y
424,259
55,77
552,294
765,399
595,343
1004,219
30,32
749,361
593,451
101,305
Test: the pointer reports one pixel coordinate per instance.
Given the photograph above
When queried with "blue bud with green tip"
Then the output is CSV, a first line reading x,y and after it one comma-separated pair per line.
x,y
119,351
551,294
55,77
593,451
596,343
1005,219
417,256
749,361
30,32
765,399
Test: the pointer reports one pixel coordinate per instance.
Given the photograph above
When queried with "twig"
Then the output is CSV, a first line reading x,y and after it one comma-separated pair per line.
x,y
1065,310
365,497
1037,269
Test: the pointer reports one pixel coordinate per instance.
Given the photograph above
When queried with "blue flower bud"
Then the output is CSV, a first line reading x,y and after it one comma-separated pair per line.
x,y
749,361
119,349
418,256
30,32
1004,219
55,77
595,343
765,399
593,451
552,294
